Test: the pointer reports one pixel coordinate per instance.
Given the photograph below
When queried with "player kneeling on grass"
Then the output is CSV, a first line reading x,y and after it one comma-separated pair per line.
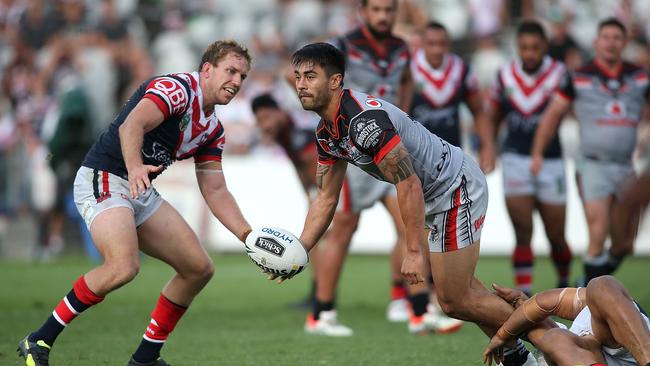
x,y
168,118
608,327
437,186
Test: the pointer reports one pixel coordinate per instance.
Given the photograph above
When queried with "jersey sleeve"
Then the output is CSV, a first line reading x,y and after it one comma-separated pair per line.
x,y
212,150
373,133
565,88
323,157
169,94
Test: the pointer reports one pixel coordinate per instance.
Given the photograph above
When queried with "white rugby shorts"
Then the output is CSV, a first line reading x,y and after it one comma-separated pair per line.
x,y
96,191
456,217
549,186
361,190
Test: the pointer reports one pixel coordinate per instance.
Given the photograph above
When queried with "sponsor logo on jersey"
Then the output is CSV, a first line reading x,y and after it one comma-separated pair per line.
x,y
616,108
185,121
373,103
367,133
270,245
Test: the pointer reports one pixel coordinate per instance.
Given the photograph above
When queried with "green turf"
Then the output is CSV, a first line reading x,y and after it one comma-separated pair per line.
x,y
241,319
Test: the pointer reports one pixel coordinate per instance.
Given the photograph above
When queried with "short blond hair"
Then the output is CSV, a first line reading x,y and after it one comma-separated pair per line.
x,y
218,50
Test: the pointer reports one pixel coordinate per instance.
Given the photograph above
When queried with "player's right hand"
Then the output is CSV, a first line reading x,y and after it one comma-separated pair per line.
x,y
494,351
536,164
412,267
139,178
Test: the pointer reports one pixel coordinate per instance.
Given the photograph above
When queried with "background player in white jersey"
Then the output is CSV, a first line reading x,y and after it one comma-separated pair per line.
x,y
522,90
443,81
608,327
433,179
168,118
608,96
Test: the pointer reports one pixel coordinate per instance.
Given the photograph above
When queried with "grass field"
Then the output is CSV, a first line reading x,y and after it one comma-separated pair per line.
x,y
241,319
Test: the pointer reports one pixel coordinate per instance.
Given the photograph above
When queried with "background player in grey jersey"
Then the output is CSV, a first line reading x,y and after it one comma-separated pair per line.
x,y
437,186
608,96
523,88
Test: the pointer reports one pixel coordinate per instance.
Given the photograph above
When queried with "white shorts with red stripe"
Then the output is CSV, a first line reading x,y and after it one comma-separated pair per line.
x,y
456,217
361,190
96,191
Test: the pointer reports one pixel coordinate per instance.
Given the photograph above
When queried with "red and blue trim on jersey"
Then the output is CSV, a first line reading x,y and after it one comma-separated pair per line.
x,y
185,132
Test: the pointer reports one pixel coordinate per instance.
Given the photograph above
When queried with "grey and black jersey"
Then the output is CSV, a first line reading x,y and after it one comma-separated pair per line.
x,y
371,68
608,107
366,129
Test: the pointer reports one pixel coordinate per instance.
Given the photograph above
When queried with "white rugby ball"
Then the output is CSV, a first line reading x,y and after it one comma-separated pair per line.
x,y
276,251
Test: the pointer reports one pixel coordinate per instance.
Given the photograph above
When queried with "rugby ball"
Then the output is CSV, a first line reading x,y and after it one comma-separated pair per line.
x,y
276,251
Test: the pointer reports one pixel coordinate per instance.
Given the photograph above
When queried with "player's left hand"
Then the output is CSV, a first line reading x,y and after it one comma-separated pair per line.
x,y
494,351
412,267
513,296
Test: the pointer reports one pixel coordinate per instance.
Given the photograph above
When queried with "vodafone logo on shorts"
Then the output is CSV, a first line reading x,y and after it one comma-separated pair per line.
x,y
374,103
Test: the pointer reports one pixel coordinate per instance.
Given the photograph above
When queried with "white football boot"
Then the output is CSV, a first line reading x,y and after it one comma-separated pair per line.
x,y
327,325
433,321
398,310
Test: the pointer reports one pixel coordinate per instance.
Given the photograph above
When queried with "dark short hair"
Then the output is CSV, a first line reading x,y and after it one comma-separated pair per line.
x,y
364,3
218,50
263,101
436,26
531,27
330,58
612,22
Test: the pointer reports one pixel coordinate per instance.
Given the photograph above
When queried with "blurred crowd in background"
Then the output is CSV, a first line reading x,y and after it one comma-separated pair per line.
x,y
68,65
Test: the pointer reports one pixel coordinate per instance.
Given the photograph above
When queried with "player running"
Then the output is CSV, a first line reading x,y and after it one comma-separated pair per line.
x,y
522,90
608,327
437,186
168,118
608,96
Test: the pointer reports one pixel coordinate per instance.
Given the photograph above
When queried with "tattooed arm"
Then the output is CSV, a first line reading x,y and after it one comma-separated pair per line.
x,y
397,168
329,180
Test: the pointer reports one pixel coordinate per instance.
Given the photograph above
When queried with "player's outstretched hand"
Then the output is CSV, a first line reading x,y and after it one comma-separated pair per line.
x,y
494,351
412,267
139,178
536,162
513,296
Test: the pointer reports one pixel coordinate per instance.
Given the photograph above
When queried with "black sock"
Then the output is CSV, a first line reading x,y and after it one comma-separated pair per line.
x,y
147,351
50,330
322,306
419,303
613,262
515,356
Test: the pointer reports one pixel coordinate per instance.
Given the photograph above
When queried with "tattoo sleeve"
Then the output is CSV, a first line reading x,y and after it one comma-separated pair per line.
x,y
396,165
321,171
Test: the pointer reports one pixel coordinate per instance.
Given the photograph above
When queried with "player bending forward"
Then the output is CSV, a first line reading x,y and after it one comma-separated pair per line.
x,y
168,118
608,328
433,179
